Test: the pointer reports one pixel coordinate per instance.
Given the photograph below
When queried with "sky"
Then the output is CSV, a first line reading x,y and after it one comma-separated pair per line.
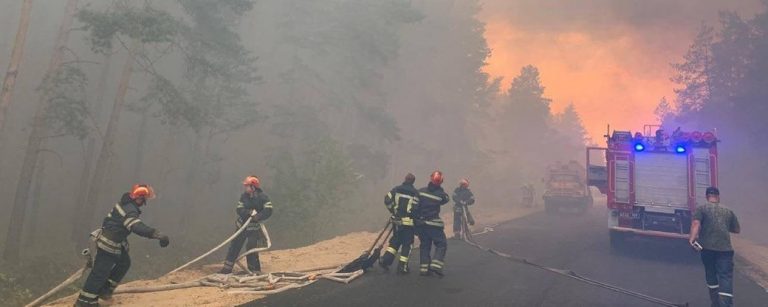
x,y
610,58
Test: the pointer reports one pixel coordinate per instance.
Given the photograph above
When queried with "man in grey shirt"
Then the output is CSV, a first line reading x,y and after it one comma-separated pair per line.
x,y
712,224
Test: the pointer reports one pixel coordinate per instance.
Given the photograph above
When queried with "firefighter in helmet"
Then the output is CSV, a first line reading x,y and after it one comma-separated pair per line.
x,y
401,202
429,226
112,260
462,199
253,203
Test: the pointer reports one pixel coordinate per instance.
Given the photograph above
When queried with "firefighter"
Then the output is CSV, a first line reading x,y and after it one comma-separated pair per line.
x,y
401,202
112,260
528,195
710,233
429,226
462,198
253,203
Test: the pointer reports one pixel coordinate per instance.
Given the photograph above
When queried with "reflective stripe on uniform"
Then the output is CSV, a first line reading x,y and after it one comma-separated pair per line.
x,y
406,221
134,222
403,259
427,195
120,209
437,264
713,287
240,205
725,294
88,295
108,248
424,268
435,222
268,204
391,250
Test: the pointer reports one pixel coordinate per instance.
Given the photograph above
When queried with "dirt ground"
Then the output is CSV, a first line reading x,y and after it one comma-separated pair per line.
x,y
335,251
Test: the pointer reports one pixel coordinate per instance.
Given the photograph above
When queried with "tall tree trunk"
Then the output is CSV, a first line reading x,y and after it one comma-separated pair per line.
x,y
13,66
36,137
90,147
34,206
138,161
105,154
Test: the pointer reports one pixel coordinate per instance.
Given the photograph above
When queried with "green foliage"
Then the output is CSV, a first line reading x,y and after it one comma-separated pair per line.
x,y
312,188
67,106
147,24
12,292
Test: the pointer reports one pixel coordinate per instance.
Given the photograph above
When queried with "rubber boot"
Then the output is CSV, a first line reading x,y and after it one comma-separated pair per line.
x,y
726,301
714,297
402,268
383,266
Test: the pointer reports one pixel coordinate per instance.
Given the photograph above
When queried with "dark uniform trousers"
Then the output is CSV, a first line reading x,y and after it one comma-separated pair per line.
x,y
402,239
428,235
252,235
108,270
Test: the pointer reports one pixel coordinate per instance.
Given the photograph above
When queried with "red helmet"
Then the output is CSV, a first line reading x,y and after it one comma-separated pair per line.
x,y
436,178
464,183
252,181
142,190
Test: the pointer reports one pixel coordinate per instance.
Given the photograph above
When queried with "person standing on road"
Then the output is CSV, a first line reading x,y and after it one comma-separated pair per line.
x,y
429,226
711,225
462,199
253,203
112,260
401,202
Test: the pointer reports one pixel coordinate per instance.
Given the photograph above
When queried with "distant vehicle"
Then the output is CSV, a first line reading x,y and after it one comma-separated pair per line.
x,y
653,181
566,188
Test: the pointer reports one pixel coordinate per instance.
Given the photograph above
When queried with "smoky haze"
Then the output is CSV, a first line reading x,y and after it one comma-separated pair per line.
x,y
329,102
607,57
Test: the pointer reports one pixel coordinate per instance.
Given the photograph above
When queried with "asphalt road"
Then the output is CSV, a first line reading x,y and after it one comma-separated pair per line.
x,y
665,269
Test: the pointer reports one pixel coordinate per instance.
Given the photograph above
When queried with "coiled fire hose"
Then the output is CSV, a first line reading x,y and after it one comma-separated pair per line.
x,y
571,274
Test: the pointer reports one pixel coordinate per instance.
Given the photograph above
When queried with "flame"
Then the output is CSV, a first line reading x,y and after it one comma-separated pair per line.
x,y
616,80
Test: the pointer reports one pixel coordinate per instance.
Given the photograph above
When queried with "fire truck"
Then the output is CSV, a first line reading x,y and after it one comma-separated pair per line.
x,y
565,187
653,180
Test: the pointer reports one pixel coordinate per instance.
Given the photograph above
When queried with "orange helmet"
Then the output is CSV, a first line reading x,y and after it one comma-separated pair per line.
x,y
142,190
464,183
436,178
252,181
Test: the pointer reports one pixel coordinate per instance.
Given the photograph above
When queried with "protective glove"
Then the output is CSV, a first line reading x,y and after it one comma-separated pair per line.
x,y
164,241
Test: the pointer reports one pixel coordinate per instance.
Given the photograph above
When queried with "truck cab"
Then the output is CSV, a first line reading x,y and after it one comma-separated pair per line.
x,y
653,181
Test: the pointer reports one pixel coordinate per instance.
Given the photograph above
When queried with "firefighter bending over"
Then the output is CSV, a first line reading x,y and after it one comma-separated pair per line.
x,y
430,227
401,202
253,203
112,260
462,199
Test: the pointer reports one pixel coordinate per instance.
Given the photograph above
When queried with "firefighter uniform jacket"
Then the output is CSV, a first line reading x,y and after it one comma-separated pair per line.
x,y
259,202
431,198
119,223
462,197
401,202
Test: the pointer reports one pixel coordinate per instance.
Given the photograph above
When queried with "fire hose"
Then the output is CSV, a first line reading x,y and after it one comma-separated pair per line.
x,y
570,274
86,253
237,233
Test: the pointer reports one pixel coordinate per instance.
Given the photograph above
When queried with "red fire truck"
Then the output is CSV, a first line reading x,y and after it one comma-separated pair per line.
x,y
653,180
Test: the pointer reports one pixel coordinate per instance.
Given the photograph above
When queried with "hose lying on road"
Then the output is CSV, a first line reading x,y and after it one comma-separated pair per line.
x,y
242,228
86,253
574,275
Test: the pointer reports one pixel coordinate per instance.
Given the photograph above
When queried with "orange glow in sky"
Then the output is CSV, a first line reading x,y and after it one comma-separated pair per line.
x,y
616,80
